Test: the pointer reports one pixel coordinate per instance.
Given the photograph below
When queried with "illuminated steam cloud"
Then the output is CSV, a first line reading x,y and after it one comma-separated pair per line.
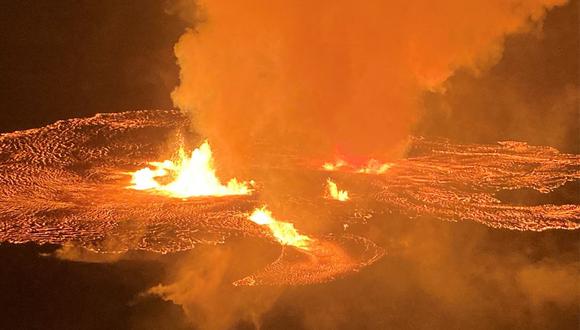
x,y
326,76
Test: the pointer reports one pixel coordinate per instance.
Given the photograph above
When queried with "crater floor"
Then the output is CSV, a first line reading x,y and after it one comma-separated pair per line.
x,y
66,183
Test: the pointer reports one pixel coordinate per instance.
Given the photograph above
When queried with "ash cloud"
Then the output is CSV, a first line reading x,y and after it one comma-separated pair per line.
x,y
332,77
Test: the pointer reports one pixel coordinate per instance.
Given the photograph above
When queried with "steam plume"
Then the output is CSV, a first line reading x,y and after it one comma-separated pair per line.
x,y
333,76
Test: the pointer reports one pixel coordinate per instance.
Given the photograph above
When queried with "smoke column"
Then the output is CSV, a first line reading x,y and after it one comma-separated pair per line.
x,y
332,77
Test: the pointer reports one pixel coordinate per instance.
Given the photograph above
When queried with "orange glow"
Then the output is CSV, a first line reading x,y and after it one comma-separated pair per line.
x,y
284,232
373,166
333,167
335,193
191,176
342,73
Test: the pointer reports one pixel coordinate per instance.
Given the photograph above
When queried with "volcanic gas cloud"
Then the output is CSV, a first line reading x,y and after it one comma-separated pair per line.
x,y
328,77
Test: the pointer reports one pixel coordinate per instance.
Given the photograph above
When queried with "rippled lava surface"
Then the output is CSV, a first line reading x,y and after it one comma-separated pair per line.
x,y
66,183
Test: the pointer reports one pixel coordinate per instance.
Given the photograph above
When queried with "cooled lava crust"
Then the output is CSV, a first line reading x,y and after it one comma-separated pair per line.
x,y
66,183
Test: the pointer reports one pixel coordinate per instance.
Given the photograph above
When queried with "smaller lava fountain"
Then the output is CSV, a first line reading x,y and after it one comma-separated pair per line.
x,y
284,232
335,193
373,166
193,176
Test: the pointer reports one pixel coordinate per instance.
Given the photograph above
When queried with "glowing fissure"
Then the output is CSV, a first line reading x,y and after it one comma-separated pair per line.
x,y
284,232
335,193
191,176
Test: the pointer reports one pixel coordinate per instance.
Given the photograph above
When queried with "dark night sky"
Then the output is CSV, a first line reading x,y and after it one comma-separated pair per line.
x,y
532,94
74,58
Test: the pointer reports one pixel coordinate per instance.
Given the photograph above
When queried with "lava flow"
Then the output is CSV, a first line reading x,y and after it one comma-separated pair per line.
x,y
193,176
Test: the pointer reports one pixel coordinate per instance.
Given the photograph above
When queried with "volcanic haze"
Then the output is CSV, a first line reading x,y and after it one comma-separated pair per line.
x,y
331,77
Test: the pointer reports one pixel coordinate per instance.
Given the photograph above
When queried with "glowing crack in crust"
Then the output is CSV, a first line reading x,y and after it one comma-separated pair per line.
x,y
67,183
462,182
328,258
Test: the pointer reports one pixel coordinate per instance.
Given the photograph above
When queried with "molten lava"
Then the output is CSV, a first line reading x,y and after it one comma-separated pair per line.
x,y
46,199
284,232
373,166
190,176
335,193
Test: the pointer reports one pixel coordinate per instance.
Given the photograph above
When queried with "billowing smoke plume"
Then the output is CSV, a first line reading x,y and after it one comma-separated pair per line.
x,y
328,77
